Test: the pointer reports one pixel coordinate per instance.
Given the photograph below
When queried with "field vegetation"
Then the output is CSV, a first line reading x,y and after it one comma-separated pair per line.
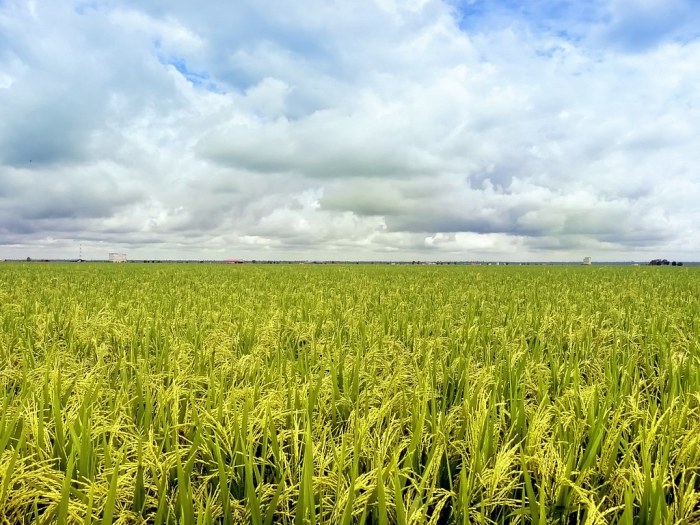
x,y
201,394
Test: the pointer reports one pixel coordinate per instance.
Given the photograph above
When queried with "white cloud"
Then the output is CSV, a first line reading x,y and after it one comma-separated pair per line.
x,y
353,131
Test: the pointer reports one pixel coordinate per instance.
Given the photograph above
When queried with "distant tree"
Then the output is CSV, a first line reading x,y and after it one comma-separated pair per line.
x,y
29,259
673,263
679,264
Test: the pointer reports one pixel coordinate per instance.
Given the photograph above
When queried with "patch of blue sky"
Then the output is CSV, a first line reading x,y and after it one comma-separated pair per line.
x,y
566,18
630,26
639,27
200,79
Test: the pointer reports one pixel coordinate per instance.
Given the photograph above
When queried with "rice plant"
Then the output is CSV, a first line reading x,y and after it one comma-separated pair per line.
x,y
200,394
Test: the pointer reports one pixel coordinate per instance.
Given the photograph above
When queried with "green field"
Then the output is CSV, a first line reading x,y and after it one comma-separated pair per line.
x,y
203,394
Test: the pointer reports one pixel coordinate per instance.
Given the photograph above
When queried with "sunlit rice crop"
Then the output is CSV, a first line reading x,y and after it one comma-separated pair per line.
x,y
346,394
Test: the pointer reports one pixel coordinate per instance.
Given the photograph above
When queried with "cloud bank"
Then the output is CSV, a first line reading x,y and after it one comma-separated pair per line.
x,y
371,130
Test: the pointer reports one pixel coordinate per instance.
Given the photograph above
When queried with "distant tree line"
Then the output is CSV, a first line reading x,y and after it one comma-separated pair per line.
x,y
664,262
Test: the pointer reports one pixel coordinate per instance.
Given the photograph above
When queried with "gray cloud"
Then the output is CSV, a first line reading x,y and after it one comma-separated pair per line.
x,y
405,129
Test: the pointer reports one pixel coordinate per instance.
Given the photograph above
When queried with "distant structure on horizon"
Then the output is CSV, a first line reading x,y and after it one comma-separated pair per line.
x,y
117,257
587,261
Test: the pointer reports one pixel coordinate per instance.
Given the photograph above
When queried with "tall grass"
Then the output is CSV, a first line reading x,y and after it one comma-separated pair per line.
x,y
348,394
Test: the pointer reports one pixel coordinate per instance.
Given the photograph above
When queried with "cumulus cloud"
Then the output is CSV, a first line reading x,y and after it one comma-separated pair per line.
x,y
432,129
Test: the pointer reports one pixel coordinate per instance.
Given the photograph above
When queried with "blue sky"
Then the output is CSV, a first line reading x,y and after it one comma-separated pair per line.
x,y
383,129
631,25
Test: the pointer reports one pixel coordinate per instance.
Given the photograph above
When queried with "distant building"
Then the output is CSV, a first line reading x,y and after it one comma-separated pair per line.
x,y
117,257
587,261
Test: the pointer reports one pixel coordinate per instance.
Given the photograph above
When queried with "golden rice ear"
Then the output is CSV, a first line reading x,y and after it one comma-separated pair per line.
x,y
347,394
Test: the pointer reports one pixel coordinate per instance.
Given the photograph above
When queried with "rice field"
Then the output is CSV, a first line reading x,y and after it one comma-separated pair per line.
x,y
200,394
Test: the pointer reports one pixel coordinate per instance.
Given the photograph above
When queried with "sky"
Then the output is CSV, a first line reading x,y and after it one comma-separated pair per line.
x,y
366,130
